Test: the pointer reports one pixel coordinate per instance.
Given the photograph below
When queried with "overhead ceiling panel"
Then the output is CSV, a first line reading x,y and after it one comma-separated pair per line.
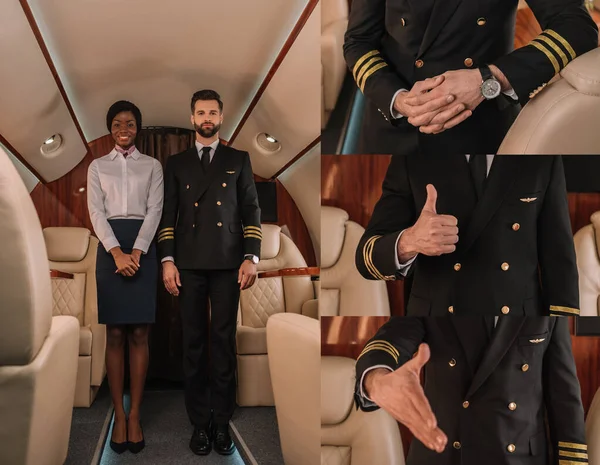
x,y
157,53
31,106
290,107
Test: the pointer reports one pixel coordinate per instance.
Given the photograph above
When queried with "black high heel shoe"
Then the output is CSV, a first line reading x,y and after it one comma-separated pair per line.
x,y
119,447
136,447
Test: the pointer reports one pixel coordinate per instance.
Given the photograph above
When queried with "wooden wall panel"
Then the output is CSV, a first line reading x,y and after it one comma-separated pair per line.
x,y
289,215
346,336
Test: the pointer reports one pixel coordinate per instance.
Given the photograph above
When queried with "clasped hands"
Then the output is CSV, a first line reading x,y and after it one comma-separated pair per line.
x,y
441,102
127,264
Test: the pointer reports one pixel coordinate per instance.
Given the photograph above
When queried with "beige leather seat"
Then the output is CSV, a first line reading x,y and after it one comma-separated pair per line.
x,y
267,297
38,353
73,250
294,360
334,21
563,117
351,436
343,290
592,430
587,247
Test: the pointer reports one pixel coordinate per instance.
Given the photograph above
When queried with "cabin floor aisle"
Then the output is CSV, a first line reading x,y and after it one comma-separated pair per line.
x,y
167,432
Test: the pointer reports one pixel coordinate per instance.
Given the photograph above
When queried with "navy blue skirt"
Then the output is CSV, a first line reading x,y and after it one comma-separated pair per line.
x,y
122,299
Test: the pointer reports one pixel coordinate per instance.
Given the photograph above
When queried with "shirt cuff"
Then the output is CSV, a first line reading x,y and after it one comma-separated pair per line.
x,y
141,244
511,93
366,401
393,112
402,268
110,243
168,259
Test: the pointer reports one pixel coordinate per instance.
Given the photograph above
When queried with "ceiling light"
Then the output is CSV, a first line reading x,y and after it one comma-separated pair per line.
x,y
51,145
267,143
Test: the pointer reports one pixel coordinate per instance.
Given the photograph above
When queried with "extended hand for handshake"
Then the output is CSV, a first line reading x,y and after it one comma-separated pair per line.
x,y
431,235
400,394
441,102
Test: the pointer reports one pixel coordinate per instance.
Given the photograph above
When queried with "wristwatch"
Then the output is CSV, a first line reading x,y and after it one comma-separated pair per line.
x,y
252,258
490,86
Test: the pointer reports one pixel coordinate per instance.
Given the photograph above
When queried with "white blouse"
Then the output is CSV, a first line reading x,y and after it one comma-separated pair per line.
x,y
125,188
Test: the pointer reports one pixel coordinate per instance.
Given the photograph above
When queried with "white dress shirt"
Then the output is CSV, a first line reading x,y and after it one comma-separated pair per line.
x,y
404,267
125,188
199,147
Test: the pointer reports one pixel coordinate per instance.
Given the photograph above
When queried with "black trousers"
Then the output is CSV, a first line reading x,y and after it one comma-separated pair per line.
x,y
210,385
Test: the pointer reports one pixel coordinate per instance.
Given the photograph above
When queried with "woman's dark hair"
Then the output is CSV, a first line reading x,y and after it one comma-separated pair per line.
x,y
120,106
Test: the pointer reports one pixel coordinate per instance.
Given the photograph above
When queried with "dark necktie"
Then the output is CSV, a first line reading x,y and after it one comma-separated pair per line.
x,y
478,167
205,159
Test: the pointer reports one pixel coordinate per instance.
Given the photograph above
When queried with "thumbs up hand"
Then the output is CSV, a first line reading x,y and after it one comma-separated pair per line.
x,y
400,394
432,234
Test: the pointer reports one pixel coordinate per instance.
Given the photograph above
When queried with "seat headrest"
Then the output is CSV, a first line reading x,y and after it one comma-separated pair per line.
x,y
271,241
25,291
67,244
333,231
583,73
337,389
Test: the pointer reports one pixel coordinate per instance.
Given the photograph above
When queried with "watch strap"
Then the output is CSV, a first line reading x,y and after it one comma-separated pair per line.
x,y
486,73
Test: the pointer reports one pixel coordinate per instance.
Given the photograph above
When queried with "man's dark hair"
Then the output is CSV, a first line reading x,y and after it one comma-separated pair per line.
x,y
120,106
206,94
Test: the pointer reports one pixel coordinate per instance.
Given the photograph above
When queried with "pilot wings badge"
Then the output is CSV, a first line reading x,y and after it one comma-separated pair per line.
x,y
528,199
537,341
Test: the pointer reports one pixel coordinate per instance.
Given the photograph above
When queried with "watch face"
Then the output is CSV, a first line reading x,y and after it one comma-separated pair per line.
x,y
490,88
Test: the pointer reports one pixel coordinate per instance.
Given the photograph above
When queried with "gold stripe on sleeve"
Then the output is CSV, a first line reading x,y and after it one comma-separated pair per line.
x,y
548,54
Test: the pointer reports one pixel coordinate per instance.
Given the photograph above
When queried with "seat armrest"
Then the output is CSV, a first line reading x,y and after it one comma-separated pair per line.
x,y
251,341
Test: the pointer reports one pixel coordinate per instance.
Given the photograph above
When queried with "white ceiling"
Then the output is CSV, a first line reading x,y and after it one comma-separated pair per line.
x,y
157,53
31,107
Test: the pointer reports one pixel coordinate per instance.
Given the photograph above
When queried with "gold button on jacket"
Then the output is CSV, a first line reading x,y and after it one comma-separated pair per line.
x,y
452,363
512,406
505,266
457,267
419,63
505,310
511,448
468,62
456,445
481,21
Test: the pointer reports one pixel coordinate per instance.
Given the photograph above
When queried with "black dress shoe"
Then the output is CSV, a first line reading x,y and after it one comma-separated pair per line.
x,y
136,447
119,447
200,442
222,441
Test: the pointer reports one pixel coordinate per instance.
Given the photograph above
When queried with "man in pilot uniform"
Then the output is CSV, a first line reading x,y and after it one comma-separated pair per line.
x,y
209,241
392,47
482,234
492,386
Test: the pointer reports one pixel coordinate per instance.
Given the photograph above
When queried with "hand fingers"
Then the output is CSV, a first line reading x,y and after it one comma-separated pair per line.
x,y
244,281
422,407
434,439
421,358
431,199
447,220
240,274
252,280
457,119
426,106
177,279
427,84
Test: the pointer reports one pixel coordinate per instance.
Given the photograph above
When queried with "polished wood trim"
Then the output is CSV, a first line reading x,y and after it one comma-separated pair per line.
x,y
20,157
305,271
275,66
46,53
306,149
61,274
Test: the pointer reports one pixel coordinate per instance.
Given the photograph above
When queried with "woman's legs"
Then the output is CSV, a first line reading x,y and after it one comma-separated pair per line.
x,y
138,364
115,362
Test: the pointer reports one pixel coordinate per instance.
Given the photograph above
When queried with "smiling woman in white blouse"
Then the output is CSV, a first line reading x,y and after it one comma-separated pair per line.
x,y
125,198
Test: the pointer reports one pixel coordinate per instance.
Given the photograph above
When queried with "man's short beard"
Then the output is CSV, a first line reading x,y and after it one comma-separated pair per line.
x,y
206,132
